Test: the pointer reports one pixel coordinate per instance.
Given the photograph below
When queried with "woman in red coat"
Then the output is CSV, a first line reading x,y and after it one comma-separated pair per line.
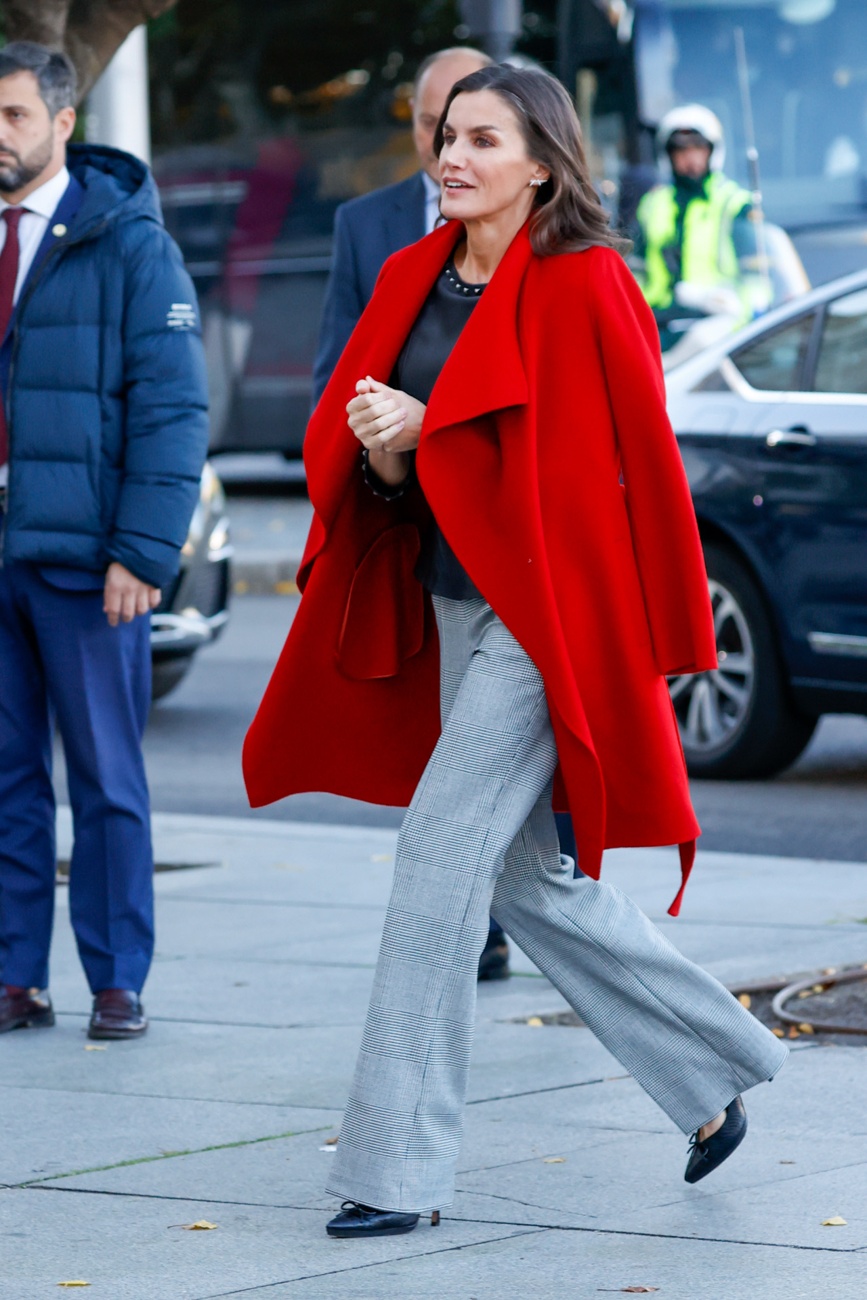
x,y
503,567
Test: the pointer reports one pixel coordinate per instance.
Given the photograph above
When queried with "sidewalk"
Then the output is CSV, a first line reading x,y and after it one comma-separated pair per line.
x,y
570,1181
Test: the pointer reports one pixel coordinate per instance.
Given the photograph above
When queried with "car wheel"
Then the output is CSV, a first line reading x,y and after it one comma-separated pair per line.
x,y
169,673
738,721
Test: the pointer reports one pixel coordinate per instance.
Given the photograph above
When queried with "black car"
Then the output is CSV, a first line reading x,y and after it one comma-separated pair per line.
x,y
194,609
772,425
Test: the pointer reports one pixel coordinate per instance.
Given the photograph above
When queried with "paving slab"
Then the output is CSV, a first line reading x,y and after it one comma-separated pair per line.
x,y
587,1265
61,1137
570,1180
293,1170
136,1248
202,1062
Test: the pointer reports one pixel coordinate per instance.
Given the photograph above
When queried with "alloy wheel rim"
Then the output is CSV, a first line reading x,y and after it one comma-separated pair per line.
x,y
712,707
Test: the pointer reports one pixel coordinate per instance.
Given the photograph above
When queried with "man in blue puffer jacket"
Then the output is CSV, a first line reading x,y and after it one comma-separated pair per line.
x,y
102,440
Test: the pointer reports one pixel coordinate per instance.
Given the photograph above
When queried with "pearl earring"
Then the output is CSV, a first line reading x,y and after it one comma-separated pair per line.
x,y
537,181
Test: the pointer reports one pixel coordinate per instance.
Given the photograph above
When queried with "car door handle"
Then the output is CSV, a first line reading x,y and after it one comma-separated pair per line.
x,y
798,437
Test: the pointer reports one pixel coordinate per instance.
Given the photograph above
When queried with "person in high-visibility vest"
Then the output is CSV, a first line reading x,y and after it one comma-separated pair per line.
x,y
695,251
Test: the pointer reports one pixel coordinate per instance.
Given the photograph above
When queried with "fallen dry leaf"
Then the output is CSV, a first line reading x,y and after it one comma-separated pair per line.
x,y
778,1032
331,1142
200,1225
535,1022
793,1032
554,1160
836,1222
806,1029
745,1000
629,1290
89,1047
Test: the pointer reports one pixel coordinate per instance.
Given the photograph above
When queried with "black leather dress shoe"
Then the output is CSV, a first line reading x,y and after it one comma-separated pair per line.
x,y
356,1220
705,1157
24,1008
494,961
117,1013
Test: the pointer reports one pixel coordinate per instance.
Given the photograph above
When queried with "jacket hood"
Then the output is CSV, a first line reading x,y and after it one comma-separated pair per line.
x,y
117,186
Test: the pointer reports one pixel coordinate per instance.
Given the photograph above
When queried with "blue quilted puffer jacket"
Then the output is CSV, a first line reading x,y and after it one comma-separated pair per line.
x,y
104,376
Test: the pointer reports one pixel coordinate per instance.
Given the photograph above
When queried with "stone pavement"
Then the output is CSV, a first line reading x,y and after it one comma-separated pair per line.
x,y
570,1181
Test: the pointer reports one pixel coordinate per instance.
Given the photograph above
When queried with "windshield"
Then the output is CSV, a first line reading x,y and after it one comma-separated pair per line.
x,y
808,79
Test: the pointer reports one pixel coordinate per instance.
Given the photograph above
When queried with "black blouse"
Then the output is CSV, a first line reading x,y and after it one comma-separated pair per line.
x,y
444,314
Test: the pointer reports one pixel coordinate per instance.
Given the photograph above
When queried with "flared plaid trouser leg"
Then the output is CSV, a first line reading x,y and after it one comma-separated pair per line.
x,y
480,829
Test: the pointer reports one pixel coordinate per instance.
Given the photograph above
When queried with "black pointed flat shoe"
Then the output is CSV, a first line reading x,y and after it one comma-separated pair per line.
x,y
356,1220
705,1157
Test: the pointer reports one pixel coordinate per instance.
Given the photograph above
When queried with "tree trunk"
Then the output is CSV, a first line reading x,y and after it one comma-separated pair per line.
x,y
91,31
43,21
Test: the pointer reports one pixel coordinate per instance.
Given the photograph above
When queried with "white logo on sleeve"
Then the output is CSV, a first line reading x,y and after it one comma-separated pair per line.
x,y
182,316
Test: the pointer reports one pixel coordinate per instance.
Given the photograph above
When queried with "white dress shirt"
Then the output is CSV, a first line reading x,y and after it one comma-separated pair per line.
x,y
40,208
431,203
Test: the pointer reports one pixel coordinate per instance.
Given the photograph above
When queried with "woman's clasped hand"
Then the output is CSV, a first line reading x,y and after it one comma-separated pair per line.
x,y
383,418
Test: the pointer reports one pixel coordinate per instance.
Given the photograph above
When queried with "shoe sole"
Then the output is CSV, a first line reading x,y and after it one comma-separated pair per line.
x,y
116,1035
44,1021
370,1232
497,970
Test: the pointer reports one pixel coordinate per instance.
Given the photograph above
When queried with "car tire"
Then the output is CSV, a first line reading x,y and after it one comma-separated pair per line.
x,y
739,721
167,674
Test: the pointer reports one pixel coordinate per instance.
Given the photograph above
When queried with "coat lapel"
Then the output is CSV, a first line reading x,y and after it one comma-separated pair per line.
x,y
485,371
330,450
58,227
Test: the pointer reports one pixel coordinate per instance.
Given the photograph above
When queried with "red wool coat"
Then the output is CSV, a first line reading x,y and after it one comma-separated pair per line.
x,y
548,460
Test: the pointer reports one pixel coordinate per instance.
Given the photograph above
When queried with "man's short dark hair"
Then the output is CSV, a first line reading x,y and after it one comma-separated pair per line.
x,y
53,71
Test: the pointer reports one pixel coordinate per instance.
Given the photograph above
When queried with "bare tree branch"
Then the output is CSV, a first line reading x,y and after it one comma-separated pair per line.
x,y
91,31
43,21
96,29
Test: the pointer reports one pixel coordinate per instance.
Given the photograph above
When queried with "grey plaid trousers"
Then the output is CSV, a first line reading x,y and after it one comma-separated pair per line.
x,y
480,836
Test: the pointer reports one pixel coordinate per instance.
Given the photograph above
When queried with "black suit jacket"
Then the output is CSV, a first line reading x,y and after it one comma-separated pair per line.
x,y
366,233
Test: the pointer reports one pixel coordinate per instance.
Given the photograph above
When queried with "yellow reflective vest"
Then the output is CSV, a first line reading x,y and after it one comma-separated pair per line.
x,y
708,255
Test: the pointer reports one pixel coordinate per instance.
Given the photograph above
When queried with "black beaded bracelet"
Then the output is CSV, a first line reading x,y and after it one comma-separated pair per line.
x,y
379,488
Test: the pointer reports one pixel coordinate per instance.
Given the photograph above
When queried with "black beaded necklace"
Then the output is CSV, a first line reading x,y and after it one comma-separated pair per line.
x,y
458,284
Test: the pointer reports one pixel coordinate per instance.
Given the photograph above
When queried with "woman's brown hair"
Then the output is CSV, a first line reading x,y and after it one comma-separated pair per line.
x,y
568,216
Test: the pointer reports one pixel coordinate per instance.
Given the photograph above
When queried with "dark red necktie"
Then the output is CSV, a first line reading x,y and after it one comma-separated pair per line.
x,y
8,276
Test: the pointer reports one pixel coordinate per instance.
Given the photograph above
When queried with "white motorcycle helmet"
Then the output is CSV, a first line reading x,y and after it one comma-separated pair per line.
x,y
699,120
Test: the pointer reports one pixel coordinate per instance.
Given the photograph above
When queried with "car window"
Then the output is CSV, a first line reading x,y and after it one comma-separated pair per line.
x,y
842,362
773,362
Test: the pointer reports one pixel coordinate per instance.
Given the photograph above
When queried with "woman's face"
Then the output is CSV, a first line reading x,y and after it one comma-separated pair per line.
x,y
485,170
